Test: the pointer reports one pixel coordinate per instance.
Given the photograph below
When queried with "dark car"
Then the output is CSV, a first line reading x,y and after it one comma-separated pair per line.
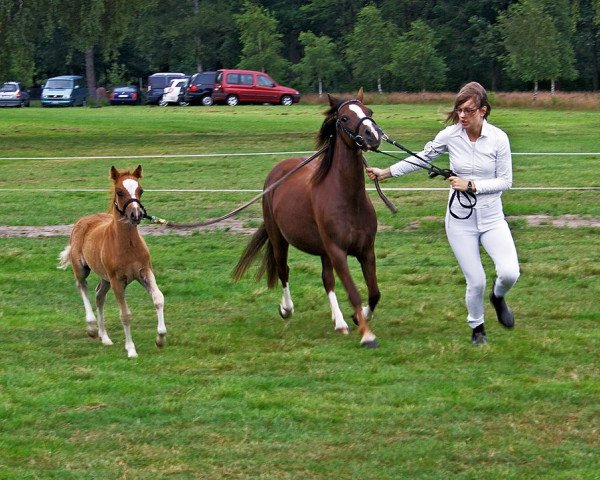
x,y
12,94
248,86
200,87
125,95
158,82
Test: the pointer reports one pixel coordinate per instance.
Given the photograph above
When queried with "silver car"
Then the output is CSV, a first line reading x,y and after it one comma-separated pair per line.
x,y
12,94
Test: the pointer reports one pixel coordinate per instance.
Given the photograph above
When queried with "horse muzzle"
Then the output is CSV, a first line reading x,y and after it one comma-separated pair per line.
x,y
134,214
370,137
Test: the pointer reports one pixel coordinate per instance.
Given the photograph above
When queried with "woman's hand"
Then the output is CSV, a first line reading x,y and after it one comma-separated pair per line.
x,y
378,173
460,184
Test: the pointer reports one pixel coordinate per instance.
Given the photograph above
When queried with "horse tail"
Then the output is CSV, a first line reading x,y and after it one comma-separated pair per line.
x,y
254,247
64,258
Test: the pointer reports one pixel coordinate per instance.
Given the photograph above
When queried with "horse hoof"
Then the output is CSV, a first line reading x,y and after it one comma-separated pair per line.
x,y
285,313
92,332
343,331
160,341
369,344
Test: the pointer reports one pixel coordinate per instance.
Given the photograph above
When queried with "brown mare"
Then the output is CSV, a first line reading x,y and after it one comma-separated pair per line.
x,y
112,247
323,209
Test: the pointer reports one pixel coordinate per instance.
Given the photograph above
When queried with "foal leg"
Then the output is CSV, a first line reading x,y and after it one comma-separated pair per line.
x,y
329,283
119,290
148,281
340,264
81,274
101,291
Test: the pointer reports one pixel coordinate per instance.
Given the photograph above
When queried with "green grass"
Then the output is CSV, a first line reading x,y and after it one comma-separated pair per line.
x,y
237,392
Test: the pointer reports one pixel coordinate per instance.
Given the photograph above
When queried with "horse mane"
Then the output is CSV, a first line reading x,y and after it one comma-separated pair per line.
x,y
326,139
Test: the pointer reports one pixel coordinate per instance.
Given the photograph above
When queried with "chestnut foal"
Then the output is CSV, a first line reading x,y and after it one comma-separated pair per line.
x,y
112,247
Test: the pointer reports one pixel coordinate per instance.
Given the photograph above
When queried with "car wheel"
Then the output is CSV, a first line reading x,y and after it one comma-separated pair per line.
x,y
233,100
183,103
207,100
286,100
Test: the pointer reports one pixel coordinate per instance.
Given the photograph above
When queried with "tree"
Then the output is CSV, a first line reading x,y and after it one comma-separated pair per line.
x,y
586,45
17,41
416,61
564,17
320,62
261,42
369,45
333,18
94,25
531,42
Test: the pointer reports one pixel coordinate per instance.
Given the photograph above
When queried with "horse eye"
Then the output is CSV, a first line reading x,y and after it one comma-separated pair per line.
x,y
120,193
141,191
344,118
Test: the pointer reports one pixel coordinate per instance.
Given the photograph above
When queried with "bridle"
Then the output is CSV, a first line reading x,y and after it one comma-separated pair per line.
x,y
466,200
360,143
353,134
127,203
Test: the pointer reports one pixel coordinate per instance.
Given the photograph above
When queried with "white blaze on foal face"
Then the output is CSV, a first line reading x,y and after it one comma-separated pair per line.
x,y
369,123
131,186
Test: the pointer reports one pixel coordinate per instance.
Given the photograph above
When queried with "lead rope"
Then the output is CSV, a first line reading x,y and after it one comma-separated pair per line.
x,y
385,200
212,221
466,200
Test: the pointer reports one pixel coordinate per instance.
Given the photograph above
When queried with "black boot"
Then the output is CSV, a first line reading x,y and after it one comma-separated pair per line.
x,y
503,311
478,336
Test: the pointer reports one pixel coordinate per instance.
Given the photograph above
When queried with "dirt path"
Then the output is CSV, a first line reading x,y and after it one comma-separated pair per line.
x,y
236,226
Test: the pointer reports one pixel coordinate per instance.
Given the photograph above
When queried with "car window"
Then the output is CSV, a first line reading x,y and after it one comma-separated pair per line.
x,y
246,79
265,81
233,78
59,84
8,87
199,78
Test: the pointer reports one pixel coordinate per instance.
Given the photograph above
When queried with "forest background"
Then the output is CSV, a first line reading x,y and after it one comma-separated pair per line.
x,y
313,45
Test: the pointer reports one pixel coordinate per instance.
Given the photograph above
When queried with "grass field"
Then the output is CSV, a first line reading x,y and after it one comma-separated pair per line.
x,y
238,393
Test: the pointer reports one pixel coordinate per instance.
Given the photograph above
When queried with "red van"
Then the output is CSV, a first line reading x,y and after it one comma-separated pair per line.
x,y
247,86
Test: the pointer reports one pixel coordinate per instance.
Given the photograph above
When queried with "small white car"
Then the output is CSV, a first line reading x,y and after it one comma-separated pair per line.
x,y
174,93
12,94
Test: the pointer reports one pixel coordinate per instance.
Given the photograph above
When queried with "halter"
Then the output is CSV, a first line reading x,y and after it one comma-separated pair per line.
x,y
127,203
353,134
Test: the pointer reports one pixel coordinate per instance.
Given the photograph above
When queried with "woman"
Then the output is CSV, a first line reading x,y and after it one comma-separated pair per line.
x,y
481,159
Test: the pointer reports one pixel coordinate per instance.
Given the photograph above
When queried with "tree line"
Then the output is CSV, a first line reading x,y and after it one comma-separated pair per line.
x,y
314,45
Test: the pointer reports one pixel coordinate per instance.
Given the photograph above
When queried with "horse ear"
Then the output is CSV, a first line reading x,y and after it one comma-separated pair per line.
x,y
359,95
333,101
114,173
138,172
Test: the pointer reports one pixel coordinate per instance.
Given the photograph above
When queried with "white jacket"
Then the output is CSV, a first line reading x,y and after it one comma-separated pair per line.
x,y
487,161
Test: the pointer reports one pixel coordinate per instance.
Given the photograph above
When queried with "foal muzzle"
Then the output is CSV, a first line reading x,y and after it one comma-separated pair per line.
x,y
136,214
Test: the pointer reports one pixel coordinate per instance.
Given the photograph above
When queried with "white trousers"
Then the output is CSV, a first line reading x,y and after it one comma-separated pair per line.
x,y
488,228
